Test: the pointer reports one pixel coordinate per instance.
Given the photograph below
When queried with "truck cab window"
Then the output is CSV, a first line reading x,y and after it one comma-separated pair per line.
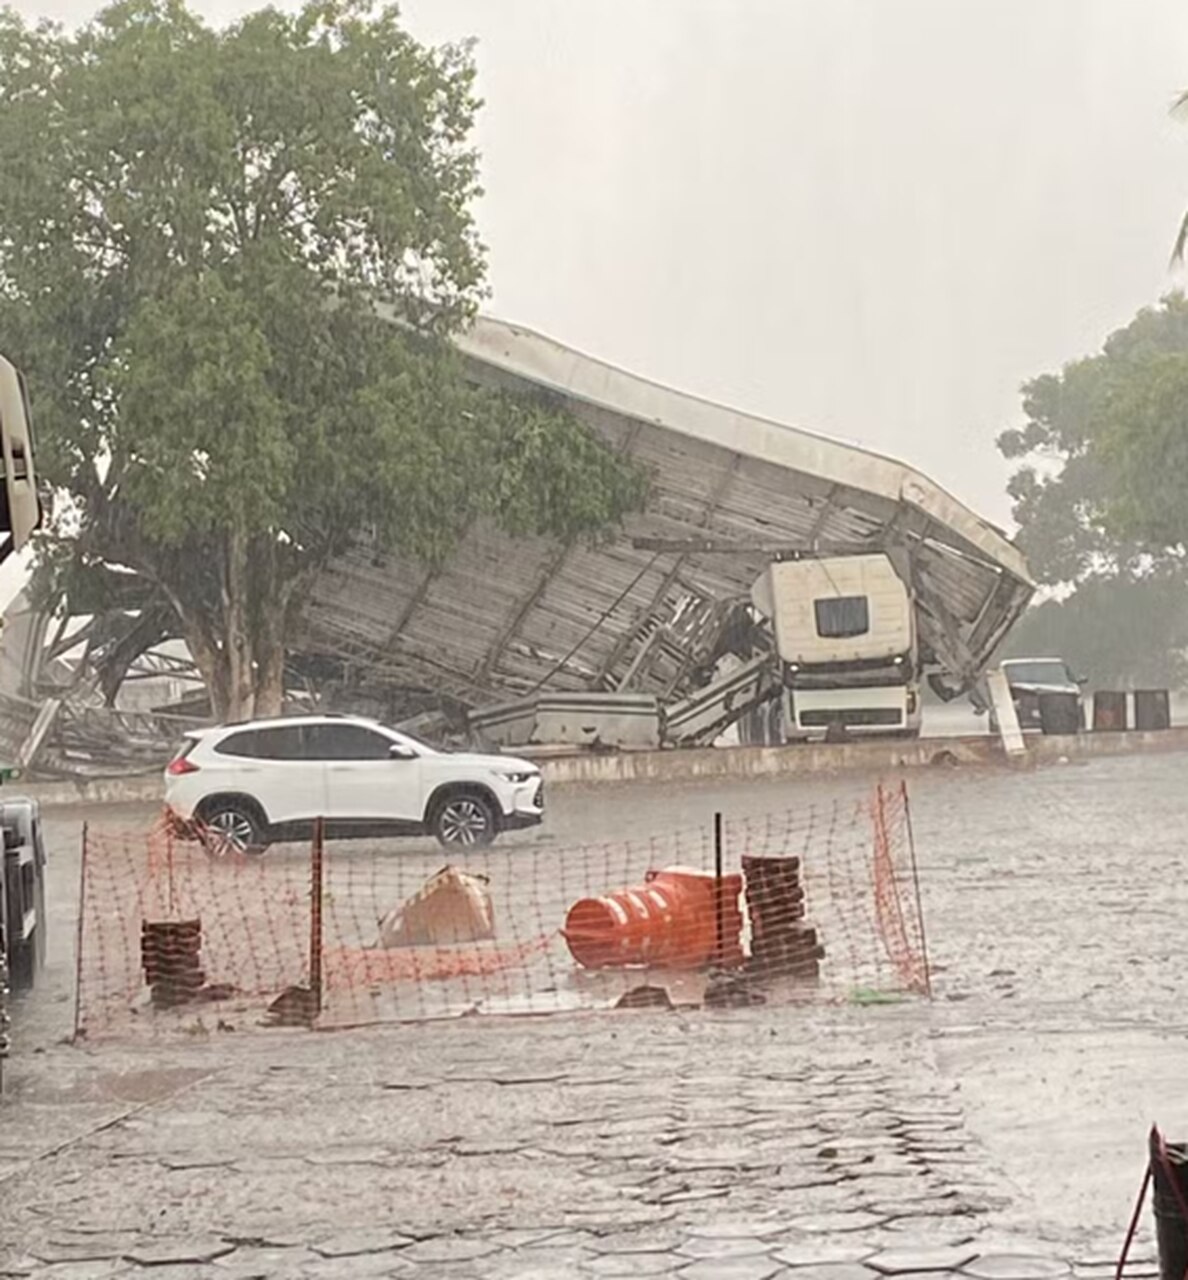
x,y
842,617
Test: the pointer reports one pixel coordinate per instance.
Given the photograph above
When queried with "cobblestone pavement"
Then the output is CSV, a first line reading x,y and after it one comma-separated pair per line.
x,y
996,1133
736,1145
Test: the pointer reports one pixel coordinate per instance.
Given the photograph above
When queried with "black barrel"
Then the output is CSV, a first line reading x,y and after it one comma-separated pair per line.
x,y
1060,712
1171,1229
1152,709
1109,711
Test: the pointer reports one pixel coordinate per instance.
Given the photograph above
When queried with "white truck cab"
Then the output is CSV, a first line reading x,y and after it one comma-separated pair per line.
x,y
844,629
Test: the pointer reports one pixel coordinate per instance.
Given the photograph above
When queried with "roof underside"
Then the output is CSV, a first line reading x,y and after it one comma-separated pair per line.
x,y
504,617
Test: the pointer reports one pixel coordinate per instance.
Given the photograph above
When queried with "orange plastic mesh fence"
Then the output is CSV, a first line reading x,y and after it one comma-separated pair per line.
x,y
813,901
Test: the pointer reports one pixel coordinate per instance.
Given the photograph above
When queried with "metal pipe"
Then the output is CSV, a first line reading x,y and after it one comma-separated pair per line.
x,y
907,814
78,936
317,878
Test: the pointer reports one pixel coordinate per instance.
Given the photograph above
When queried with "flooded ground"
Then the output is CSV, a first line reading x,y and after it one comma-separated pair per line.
x,y
1053,900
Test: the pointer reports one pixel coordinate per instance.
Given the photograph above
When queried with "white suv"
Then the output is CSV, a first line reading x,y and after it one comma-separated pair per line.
x,y
250,784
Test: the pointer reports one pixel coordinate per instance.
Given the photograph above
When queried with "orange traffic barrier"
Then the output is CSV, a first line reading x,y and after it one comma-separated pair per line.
x,y
672,921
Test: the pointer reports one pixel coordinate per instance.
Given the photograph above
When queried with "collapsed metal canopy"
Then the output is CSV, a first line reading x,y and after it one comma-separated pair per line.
x,y
504,617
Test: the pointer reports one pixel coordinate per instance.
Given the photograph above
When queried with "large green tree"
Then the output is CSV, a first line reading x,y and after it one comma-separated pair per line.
x,y
195,228
1101,498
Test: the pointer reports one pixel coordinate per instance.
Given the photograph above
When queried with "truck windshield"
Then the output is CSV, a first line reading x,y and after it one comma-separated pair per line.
x,y
1037,673
842,617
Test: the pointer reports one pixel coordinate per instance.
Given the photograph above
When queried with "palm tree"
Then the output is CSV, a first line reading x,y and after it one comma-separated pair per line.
x,y
1179,111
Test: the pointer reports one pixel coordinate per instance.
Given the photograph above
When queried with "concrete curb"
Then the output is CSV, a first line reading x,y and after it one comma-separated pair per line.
x,y
723,763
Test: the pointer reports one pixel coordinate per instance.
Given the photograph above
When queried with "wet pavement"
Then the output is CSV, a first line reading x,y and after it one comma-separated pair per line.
x,y
998,1132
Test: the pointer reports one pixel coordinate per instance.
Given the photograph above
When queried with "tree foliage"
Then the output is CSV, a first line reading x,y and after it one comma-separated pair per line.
x,y
195,228
1101,498
1117,632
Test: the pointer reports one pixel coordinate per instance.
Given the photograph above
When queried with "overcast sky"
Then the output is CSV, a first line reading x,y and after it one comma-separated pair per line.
x,y
871,218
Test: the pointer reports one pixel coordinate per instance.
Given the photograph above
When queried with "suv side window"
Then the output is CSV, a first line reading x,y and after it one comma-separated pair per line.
x,y
345,742
245,744
276,743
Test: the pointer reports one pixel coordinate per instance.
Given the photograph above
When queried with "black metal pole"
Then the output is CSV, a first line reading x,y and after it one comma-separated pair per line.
x,y
317,860
907,813
719,921
79,935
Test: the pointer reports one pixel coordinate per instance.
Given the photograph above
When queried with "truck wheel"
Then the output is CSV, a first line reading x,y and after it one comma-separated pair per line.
x,y
233,826
466,818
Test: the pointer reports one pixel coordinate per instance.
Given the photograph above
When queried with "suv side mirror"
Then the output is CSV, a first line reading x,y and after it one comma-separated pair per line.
x,y
398,751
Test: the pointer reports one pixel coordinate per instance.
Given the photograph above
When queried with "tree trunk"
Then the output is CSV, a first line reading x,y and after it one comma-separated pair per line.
x,y
238,644
242,684
237,648
270,675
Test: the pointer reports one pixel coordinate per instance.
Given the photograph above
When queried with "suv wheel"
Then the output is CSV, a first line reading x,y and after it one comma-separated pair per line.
x,y
464,819
232,827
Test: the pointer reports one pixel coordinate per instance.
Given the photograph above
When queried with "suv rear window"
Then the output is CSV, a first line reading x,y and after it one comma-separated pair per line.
x,y
842,617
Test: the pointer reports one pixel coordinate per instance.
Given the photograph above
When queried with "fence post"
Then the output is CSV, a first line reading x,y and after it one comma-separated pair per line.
x,y
79,935
316,899
907,814
719,905
169,851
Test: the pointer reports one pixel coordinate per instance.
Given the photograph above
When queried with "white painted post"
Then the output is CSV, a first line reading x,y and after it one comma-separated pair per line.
x,y
1003,706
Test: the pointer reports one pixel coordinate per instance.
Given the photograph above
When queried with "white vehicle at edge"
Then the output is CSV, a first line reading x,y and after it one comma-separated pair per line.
x,y
251,784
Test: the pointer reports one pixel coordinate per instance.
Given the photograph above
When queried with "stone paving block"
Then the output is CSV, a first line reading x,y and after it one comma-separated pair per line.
x,y
531,1266
349,1155
752,1268
557,1240
249,1261
1017,1266
724,1246
913,1232
634,1264
82,1249
368,1266
757,1228
636,1242
533,1262
109,1269
525,1237
947,1205
449,1249
798,1253
690,1195
170,1271
362,1240
1135,1269
836,1223
161,1251
828,1271
900,1262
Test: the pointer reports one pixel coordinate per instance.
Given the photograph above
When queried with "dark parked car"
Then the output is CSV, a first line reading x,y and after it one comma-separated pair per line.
x,y
1028,678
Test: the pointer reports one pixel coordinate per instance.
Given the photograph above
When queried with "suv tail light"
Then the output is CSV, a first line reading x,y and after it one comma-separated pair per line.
x,y
180,765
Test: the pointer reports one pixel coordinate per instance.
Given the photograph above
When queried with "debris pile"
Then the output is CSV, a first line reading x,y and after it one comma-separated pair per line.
x,y
783,944
450,908
171,956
